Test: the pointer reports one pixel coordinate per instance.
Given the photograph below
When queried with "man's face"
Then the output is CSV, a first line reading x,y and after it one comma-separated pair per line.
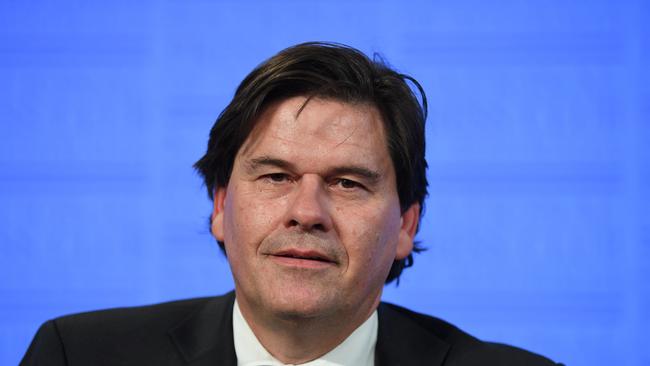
x,y
311,217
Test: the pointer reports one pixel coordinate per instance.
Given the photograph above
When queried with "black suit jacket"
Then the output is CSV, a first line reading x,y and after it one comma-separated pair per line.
x,y
198,332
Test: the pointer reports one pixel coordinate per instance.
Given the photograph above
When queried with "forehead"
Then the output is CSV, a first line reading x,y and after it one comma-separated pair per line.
x,y
304,130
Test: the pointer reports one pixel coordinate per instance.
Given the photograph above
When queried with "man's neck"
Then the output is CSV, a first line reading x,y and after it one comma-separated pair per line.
x,y
296,340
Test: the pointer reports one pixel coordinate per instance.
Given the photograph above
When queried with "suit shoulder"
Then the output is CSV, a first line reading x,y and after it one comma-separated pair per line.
x,y
501,354
464,349
130,329
441,329
164,314
125,336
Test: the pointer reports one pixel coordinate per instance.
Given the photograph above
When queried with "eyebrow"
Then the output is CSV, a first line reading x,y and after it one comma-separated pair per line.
x,y
253,164
369,175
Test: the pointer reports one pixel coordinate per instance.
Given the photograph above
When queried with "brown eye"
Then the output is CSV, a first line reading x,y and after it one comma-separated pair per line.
x,y
348,184
277,177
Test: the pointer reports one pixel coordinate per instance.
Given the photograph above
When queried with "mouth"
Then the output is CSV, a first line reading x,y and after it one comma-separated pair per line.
x,y
303,258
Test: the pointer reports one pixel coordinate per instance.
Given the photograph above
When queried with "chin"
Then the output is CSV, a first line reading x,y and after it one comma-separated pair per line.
x,y
295,306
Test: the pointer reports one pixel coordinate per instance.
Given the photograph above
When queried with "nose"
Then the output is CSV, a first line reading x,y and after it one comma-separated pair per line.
x,y
308,208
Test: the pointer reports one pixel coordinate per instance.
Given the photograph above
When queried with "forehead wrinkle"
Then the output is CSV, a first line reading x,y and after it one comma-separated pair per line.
x,y
348,137
319,134
363,111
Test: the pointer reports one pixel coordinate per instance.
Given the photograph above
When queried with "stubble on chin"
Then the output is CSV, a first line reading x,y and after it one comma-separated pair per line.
x,y
298,293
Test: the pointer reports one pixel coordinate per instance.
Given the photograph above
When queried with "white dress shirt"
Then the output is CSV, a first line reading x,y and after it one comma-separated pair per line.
x,y
356,350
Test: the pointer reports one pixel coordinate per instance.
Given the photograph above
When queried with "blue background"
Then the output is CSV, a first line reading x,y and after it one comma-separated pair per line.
x,y
537,222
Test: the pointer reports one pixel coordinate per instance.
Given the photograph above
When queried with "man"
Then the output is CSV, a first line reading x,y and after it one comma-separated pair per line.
x,y
316,170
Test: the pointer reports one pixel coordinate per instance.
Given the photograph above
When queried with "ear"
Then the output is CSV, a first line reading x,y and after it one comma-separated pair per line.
x,y
410,219
216,219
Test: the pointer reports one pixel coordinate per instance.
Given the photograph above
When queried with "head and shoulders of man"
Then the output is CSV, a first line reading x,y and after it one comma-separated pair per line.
x,y
317,174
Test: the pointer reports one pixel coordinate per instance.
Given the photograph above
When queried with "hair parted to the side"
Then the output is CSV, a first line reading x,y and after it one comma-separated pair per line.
x,y
331,71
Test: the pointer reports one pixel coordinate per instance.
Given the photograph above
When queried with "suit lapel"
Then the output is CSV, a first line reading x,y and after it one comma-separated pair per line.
x,y
206,336
401,341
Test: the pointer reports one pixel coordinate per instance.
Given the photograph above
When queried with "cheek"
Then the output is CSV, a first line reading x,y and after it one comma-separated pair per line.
x,y
373,239
247,221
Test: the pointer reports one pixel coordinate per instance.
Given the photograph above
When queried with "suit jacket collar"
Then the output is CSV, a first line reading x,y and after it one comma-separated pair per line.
x,y
401,341
206,337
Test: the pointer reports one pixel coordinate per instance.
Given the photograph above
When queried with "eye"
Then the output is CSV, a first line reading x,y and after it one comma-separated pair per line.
x,y
276,177
347,184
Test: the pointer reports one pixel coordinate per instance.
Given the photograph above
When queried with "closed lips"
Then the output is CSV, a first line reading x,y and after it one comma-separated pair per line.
x,y
309,255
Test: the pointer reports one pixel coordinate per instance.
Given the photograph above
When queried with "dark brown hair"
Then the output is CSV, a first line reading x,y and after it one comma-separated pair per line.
x,y
331,71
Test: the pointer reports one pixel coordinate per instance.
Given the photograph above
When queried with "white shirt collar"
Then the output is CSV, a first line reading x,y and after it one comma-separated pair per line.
x,y
357,349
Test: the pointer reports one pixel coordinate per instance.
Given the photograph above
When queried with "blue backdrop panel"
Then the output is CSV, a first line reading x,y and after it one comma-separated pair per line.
x,y
537,222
